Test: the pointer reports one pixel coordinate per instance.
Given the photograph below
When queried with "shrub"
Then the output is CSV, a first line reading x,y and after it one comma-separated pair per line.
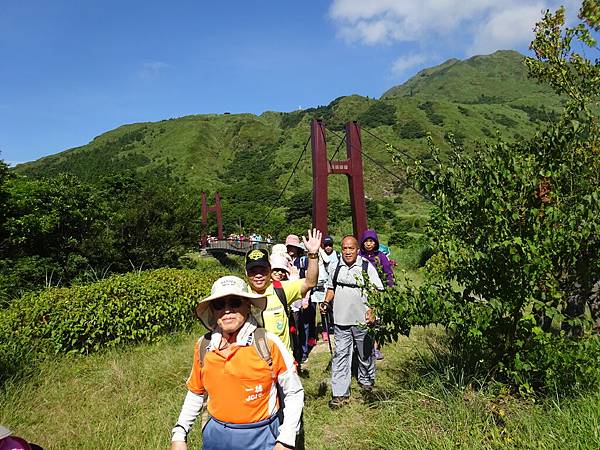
x,y
400,239
410,130
134,307
434,118
379,113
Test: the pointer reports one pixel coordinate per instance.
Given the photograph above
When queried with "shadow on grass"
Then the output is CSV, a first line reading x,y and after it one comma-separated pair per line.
x,y
227,261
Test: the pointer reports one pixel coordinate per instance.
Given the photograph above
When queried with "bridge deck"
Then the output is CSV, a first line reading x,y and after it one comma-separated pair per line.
x,y
235,247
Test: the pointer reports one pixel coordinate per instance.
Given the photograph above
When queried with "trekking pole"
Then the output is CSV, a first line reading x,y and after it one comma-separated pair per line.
x,y
326,321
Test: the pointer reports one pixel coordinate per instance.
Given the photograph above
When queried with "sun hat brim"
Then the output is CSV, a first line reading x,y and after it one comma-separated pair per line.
x,y
4,432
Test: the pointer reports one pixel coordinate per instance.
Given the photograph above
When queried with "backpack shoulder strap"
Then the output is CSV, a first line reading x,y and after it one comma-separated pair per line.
x,y
278,288
365,266
261,345
203,347
335,274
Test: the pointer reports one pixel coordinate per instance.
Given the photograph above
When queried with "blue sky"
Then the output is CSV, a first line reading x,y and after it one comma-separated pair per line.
x,y
71,69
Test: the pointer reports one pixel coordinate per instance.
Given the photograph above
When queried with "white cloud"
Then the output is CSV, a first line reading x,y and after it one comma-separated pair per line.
x,y
483,25
407,62
152,70
507,29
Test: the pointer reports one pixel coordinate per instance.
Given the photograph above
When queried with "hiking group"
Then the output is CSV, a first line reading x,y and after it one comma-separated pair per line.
x,y
244,380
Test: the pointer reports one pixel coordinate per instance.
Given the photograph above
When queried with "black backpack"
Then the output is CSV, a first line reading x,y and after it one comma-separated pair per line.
x,y
365,268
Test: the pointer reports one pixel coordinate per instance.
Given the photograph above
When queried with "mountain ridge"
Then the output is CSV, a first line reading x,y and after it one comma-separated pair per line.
x,y
471,99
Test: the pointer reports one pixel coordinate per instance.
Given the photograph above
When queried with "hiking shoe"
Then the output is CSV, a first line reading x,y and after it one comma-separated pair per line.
x,y
325,336
311,342
366,387
377,354
338,402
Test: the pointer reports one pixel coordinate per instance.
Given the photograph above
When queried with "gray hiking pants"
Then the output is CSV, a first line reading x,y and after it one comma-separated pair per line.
x,y
347,339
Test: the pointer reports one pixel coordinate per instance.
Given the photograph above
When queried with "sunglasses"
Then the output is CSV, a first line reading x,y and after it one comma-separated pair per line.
x,y
279,270
232,303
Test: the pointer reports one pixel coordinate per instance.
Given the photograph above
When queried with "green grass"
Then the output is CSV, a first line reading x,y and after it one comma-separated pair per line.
x,y
130,398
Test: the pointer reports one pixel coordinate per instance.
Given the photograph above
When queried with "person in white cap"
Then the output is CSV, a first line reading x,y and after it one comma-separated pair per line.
x,y
236,371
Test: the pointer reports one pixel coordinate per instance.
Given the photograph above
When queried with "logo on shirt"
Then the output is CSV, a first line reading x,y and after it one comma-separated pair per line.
x,y
258,393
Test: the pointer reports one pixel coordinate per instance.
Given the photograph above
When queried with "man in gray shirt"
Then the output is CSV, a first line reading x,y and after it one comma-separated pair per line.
x,y
348,284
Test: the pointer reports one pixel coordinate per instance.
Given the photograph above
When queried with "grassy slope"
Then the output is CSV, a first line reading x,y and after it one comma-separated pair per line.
x,y
130,398
197,148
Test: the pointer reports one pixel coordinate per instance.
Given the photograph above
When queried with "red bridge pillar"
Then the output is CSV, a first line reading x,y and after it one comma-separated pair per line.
x,y
205,210
320,167
351,167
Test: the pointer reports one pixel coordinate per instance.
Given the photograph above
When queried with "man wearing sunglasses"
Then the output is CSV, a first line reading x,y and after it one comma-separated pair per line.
x,y
236,373
258,273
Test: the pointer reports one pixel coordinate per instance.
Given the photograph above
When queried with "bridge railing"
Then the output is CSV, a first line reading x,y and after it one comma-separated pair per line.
x,y
236,246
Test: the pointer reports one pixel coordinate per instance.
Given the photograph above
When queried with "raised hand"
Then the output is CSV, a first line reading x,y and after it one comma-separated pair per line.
x,y
313,243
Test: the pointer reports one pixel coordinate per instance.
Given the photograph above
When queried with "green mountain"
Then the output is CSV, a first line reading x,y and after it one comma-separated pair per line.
x,y
472,99
498,78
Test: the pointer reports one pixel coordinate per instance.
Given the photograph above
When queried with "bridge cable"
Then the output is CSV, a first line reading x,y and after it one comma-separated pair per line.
x,y
337,150
377,163
287,182
405,153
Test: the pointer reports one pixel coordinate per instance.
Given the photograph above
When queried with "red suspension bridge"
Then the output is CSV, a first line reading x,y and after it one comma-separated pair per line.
x,y
322,168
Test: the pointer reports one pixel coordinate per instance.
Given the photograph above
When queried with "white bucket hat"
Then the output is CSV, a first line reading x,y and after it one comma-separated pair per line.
x,y
226,287
280,262
279,249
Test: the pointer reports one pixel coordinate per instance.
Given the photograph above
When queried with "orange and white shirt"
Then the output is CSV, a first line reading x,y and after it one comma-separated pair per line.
x,y
242,387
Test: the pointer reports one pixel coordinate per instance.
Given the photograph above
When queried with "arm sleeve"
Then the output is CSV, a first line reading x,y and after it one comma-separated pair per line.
x,y
189,411
374,277
291,388
293,289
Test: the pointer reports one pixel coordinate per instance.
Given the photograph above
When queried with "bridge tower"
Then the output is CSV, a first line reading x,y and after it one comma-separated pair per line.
x,y
352,167
205,210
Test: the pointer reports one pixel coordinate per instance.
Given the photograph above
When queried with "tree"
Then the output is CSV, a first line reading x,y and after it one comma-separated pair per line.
x,y
48,231
517,228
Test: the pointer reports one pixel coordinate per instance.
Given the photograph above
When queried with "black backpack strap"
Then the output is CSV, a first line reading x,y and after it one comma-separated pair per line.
x,y
335,274
280,292
365,275
365,268
203,347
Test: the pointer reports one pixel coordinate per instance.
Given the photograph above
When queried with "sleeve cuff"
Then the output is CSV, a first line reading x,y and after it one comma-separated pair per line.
x,y
179,434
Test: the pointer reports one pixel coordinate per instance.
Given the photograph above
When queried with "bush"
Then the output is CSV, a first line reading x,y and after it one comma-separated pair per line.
x,y
410,130
134,307
516,233
434,118
379,113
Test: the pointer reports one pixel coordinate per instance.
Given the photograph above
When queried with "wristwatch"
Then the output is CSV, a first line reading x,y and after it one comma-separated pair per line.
x,y
312,255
